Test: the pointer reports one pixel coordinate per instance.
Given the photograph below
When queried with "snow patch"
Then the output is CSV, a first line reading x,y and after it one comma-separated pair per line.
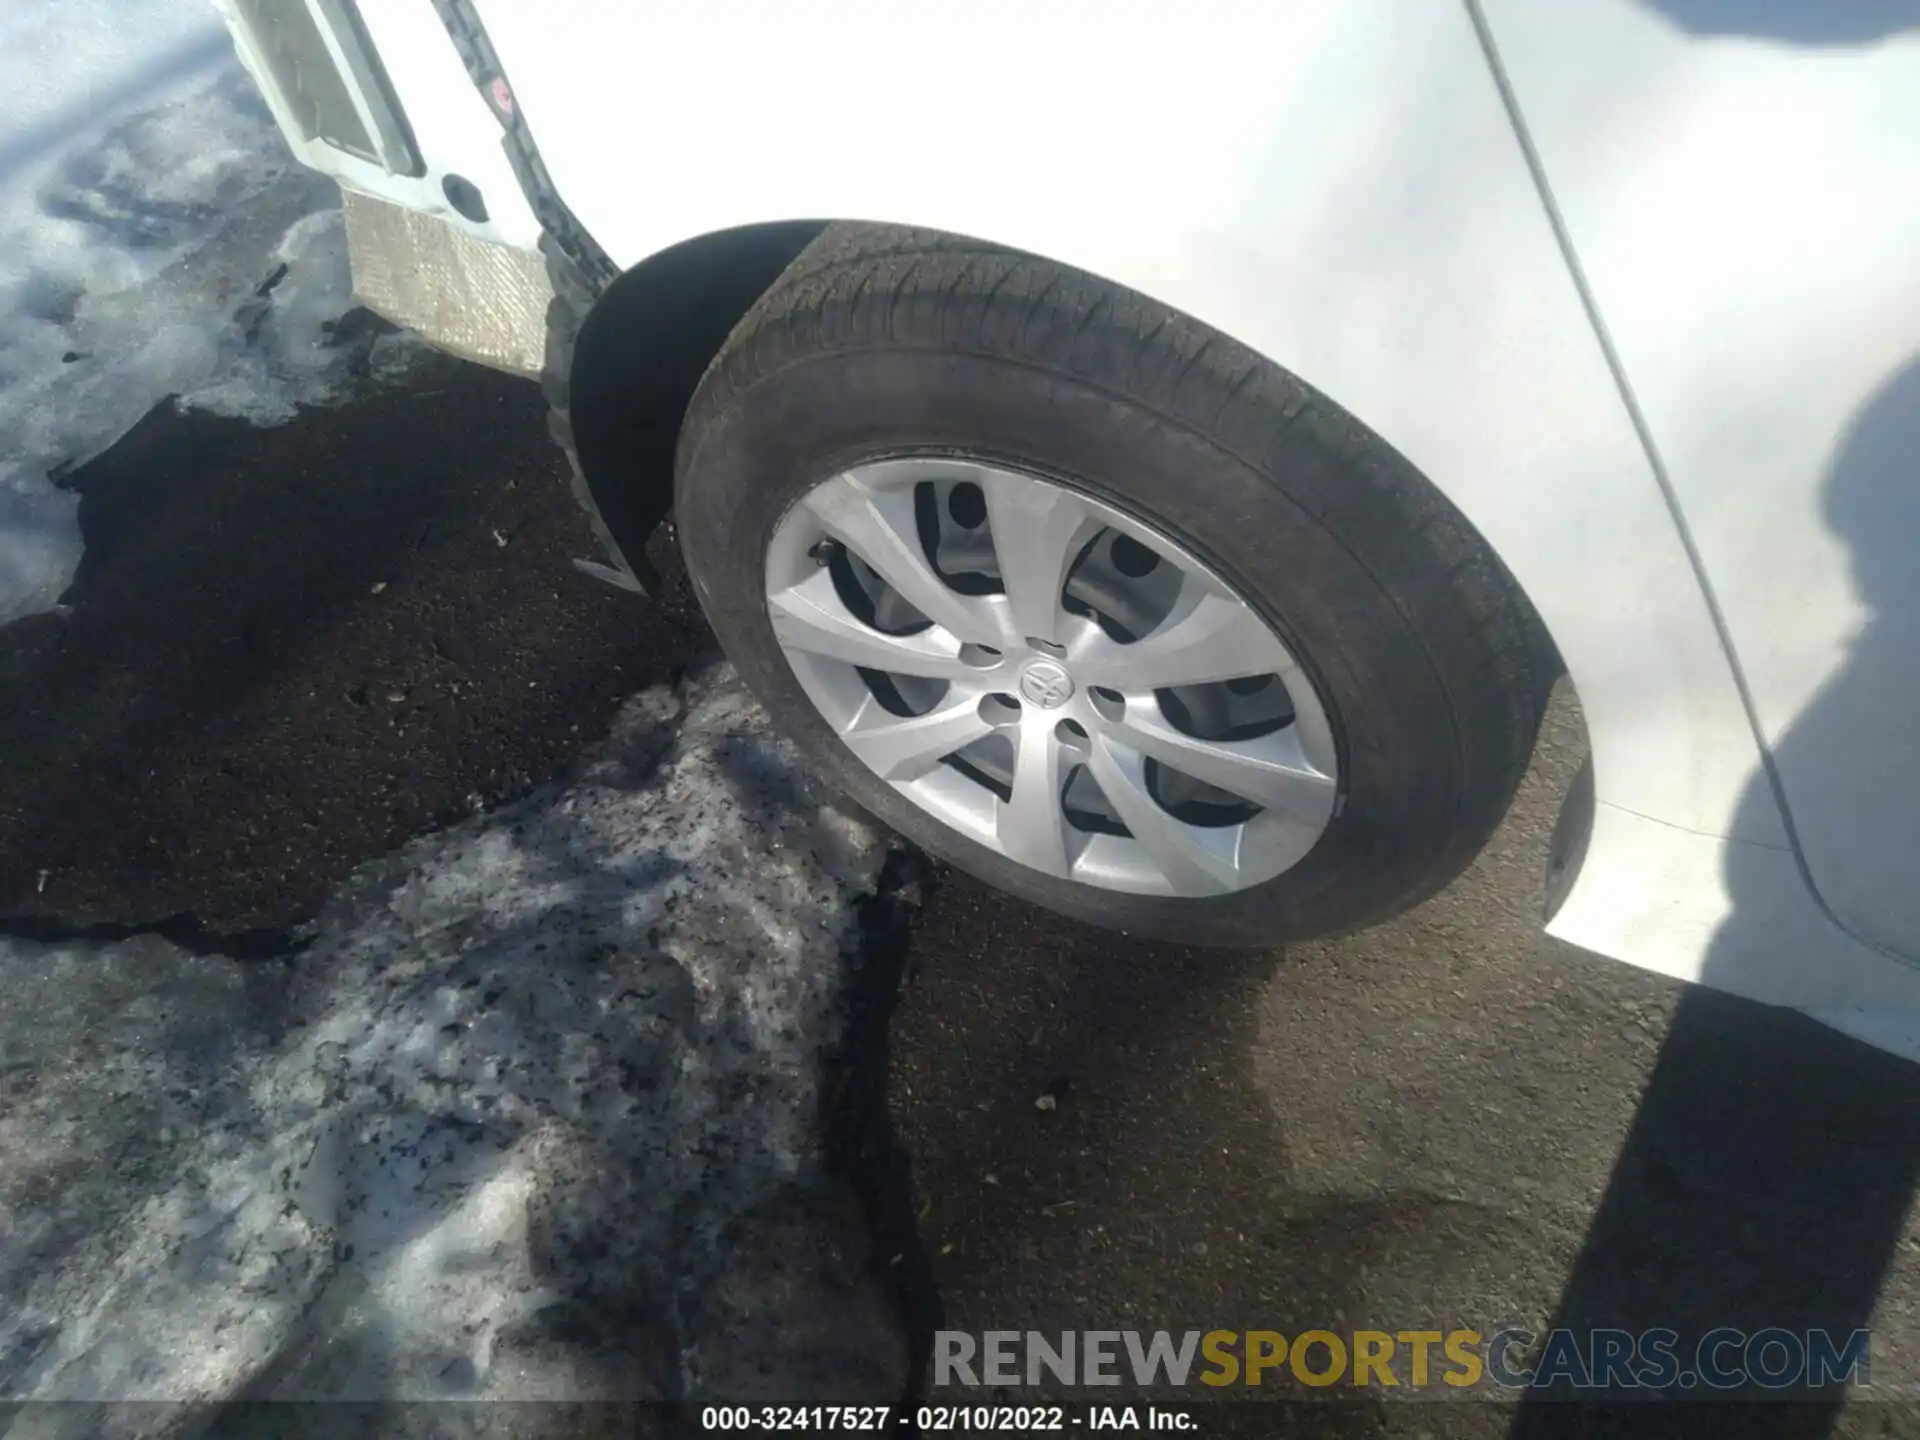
x,y
156,239
534,1066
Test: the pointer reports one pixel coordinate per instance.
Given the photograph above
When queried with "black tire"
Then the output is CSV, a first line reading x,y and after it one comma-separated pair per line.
x,y
880,342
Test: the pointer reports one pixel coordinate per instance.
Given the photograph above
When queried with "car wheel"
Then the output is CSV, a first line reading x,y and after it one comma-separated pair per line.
x,y
1094,602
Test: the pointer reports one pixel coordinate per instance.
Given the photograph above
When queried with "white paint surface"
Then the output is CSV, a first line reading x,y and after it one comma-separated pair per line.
x,y
1742,184
1335,184
451,126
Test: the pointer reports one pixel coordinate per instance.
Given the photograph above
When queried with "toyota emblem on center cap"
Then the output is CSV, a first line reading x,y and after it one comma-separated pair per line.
x,y
1046,684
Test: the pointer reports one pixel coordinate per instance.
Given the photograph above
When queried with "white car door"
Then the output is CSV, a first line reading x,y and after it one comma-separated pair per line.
x,y
1739,182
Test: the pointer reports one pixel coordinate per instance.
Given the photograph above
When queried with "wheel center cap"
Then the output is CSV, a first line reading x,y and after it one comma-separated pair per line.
x,y
1046,684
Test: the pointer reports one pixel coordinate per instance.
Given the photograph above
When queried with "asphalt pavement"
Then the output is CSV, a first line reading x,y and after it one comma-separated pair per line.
x,y
290,650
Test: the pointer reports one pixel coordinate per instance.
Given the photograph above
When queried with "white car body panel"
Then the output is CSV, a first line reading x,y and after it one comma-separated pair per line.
x,y
452,128
1746,208
1335,183
1340,190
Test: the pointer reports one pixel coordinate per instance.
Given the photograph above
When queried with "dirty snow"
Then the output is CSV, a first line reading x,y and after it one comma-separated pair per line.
x,y
482,1139
146,203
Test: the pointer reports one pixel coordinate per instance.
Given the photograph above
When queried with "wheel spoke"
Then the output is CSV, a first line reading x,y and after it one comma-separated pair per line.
x,y
1193,860
1208,637
905,747
878,525
1104,713
1032,827
811,617
1037,531
1270,771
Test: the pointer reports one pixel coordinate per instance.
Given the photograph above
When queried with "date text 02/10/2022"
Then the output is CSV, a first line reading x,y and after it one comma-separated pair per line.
x,y
938,1419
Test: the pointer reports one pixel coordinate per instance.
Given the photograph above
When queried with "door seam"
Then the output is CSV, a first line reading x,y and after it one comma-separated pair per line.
x,y
1570,256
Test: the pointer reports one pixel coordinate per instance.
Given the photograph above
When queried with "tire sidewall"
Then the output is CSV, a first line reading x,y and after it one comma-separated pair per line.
x,y
749,455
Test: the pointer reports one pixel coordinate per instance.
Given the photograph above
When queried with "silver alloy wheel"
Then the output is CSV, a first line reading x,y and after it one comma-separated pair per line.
x,y
1050,677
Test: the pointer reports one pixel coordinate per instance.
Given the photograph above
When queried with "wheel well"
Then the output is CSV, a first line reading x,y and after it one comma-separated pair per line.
x,y
648,341
640,356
